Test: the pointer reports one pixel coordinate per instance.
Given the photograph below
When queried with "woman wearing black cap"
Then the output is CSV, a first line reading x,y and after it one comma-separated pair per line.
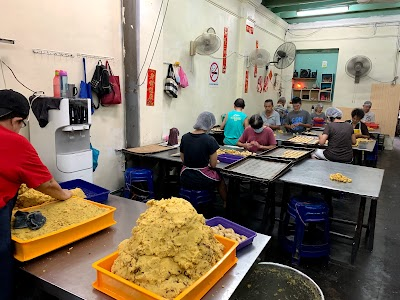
x,y
19,163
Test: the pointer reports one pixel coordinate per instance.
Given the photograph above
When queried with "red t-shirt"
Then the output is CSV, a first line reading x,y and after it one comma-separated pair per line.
x,y
19,163
264,138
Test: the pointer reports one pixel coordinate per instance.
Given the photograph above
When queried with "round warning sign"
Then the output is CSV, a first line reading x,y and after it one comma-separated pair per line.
x,y
214,73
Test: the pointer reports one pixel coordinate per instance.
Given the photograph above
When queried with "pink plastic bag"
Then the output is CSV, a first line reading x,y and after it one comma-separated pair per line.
x,y
184,81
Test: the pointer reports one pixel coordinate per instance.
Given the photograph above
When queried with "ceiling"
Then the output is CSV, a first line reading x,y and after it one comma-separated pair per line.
x,y
286,9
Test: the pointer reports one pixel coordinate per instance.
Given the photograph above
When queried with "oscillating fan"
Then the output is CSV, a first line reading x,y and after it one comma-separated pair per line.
x,y
284,55
358,66
205,44
259,58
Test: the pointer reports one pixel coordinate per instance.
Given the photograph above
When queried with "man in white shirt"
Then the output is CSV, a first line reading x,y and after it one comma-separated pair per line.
x,y
269,116
369,116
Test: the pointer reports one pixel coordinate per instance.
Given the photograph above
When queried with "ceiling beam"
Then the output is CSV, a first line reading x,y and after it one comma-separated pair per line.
x,y
326,4
358,8
283,3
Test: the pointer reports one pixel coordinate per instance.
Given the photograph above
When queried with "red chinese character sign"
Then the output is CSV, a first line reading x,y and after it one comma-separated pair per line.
x,y
214,74
249,26
151,87
225,50
246,82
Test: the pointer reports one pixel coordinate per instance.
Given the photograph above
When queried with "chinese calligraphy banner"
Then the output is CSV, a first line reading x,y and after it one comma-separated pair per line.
x,y
151,87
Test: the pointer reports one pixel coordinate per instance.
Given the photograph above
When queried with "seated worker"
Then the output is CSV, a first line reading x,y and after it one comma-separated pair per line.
x,y
280,109
269,116
234,123
318,114
257,137
297,120
341,137
360,129
369,116
199,156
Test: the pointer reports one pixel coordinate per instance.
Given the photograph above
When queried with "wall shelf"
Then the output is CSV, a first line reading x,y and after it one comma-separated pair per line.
x,y
308,93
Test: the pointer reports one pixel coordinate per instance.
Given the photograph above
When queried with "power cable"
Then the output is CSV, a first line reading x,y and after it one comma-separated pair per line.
x,y
158,39
151,40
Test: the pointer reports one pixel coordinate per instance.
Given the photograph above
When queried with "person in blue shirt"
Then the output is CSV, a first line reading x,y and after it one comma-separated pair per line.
x,y
234,123
297,120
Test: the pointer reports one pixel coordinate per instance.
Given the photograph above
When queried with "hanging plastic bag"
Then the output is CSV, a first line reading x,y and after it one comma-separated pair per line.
x,y
184,81
95,155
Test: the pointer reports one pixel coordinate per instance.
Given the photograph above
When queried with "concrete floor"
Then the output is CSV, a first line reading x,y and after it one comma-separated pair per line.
x,y
376,274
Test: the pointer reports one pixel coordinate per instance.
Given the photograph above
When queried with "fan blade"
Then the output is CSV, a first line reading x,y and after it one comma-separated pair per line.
x,y
357,77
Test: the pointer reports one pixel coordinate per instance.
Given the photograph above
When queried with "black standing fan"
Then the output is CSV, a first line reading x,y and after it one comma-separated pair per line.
x,y
284,55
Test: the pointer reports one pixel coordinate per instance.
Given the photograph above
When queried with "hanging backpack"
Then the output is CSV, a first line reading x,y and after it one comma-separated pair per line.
x,y
101,80
171,87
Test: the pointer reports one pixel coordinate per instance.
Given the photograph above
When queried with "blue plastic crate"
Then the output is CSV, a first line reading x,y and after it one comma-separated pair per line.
x,y
93,192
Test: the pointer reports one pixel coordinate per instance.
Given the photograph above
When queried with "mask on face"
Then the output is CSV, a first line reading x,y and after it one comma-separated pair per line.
x,y
259,130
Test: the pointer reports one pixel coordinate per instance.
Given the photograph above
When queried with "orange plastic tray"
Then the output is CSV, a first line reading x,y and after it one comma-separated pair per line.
x,y
29,249
122,289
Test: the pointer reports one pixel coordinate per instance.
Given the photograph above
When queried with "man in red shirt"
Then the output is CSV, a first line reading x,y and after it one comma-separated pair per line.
x,y
257,137
19,163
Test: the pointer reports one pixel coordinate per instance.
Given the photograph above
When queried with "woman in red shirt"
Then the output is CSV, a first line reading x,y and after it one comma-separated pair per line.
x,y
257,137
19,163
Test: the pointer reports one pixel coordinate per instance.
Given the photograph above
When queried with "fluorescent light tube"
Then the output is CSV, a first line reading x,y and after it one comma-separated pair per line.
x,y
323,11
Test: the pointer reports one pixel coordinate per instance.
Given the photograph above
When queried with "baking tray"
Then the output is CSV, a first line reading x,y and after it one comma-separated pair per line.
x,y
120,288
29,249
278,152
311,143
250,234
257,168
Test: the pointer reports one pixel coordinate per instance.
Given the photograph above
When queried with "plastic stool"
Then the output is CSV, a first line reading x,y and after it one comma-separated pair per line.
x,y
306,210
133,175
195,197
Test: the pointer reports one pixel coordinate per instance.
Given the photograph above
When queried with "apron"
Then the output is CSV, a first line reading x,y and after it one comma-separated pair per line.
x,y
357,131
206,171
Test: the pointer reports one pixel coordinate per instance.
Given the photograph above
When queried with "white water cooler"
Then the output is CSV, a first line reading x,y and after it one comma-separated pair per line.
x,y
64,143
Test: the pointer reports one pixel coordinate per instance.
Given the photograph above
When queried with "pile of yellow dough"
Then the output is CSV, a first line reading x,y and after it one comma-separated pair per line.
x,y
340,177
30,197
170,248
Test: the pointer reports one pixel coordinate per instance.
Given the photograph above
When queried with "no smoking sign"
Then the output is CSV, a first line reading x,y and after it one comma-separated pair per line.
x,y
214,74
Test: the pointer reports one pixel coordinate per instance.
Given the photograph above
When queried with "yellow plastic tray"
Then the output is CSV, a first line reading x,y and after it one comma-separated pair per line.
x,y
122,289
29,249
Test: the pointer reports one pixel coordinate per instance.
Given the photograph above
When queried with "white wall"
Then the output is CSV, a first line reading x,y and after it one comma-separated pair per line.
x,y
185,20
375,38
91,27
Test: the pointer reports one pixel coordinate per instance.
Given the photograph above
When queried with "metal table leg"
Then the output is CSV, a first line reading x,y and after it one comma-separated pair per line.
x,y
357,236
268,220
370,234
285,201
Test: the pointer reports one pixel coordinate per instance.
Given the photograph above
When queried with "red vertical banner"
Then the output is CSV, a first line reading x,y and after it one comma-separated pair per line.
x,y
225,50
151,87
246,82
255,67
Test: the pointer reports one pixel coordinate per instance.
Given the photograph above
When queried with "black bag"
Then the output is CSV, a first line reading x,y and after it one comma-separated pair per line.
x,y
171,87
101,80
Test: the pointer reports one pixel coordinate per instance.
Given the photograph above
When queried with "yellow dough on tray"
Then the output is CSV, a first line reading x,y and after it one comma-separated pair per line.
x,y
170,248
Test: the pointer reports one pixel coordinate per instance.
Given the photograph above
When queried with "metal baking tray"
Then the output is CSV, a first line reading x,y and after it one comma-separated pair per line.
x,y
279,151
257,168
311,143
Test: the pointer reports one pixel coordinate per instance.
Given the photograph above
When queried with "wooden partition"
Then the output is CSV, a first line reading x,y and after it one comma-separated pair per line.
x,y
385,100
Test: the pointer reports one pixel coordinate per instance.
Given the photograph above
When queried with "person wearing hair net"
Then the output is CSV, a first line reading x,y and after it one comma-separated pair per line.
x,y
199,157
369,116
19,163
340,136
